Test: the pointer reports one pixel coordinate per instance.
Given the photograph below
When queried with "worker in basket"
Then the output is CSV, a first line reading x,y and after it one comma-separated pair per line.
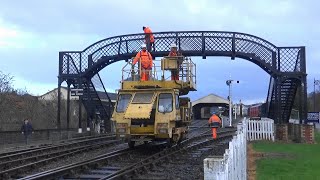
x,y
214,122
146,62
173,53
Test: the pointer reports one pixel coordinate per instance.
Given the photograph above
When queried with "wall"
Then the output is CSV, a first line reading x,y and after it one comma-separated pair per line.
x,y
42,113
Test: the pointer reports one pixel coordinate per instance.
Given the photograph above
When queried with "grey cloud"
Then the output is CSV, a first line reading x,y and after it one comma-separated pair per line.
x,y
39,67
75,24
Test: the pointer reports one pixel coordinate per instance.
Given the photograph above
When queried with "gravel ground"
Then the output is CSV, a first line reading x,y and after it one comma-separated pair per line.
x,y
169,166
199,126
184,166
90,154
20,146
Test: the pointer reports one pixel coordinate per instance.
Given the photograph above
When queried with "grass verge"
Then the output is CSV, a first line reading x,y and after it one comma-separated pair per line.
x,y
281,161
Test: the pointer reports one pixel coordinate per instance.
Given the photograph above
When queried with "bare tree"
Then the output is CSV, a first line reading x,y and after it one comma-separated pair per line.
x,y
5,88
5,83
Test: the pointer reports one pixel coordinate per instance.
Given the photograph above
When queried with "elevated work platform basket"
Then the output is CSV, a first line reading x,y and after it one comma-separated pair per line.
x,y
160,76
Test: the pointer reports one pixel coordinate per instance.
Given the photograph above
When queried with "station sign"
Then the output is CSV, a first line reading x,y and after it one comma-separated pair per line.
x,y
313,117
76,92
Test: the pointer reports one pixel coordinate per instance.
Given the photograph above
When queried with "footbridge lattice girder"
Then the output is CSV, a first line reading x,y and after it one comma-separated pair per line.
x,y
213,43
277,61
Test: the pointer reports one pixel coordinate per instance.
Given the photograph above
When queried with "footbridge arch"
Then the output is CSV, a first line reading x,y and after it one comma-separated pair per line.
x,y
286,65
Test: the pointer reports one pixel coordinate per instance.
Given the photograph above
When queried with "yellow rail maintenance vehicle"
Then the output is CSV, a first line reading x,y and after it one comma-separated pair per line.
x,y
154,110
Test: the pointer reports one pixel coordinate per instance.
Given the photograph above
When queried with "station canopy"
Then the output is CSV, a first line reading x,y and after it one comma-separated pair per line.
x,y
211,99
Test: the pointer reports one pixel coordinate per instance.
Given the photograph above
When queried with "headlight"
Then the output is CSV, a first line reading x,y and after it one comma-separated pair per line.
x,y
162,128
121,130
122,127
163,131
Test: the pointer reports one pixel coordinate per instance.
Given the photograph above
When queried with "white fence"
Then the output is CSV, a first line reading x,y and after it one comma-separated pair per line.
x,y
233,164
260,129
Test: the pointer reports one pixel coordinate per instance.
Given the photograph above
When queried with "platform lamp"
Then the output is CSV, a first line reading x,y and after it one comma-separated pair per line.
x,y
315,82
229,83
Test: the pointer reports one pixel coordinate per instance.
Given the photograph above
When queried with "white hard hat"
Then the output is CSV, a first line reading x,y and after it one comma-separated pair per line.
x,y
143,46
173,45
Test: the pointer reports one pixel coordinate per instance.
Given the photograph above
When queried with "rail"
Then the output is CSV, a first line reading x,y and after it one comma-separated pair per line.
x,y
11,165
184,146
64,169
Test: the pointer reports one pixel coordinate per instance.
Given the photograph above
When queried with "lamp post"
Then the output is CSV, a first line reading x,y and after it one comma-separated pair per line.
x,y
229,83
315,82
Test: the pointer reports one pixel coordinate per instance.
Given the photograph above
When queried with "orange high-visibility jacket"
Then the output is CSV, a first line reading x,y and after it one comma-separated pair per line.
x,y
146,59
214,118
173,54
147,30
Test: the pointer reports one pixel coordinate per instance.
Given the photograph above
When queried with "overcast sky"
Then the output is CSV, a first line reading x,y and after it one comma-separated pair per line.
x,y
33,32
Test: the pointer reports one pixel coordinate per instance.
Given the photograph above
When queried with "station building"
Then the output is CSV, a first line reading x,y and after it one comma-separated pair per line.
x,y
203,107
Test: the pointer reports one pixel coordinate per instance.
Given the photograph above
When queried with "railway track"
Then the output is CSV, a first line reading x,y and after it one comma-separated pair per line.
x,y
197,127
185,165
125,162
135,170
14,163
117,155
48,145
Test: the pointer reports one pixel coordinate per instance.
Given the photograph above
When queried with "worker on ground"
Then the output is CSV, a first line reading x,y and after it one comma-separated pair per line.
x,y
173,53
145,60
214,122
149,37
26,130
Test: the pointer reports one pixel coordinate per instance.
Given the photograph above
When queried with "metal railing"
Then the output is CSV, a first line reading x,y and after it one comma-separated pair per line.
x,y
187,71
131,72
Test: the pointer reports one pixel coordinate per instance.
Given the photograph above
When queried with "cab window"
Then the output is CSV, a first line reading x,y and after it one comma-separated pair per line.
x,y
177,101
142,98
165,103
123,102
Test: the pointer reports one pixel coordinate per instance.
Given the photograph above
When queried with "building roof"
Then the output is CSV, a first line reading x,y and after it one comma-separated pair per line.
x,y
55,89
103,95
211,99
256,104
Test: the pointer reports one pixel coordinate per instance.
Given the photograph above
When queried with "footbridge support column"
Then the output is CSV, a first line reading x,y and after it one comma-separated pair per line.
x,y
281,131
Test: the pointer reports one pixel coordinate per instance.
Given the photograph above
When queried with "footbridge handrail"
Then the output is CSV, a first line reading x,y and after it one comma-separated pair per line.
x,y
192,43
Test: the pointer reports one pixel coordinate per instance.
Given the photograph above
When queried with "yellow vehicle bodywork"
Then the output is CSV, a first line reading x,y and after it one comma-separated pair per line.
x,y
146,120
153,110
